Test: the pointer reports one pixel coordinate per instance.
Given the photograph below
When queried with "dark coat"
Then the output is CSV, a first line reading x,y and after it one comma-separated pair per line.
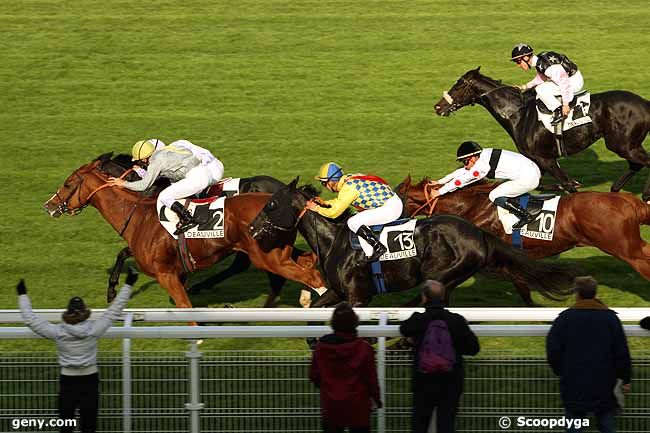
x,y
463,339
587,348
343,367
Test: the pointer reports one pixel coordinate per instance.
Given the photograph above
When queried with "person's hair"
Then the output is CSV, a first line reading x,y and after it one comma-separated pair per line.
x,y
433,290
344,318
586,287
77,311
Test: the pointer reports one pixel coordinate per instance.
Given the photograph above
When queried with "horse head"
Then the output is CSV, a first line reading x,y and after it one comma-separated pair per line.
x,y
278,215
72,197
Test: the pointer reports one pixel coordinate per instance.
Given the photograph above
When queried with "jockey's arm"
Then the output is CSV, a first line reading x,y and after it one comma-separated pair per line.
x,y
465,177
451,175
561,78
346,196
539,79
152,173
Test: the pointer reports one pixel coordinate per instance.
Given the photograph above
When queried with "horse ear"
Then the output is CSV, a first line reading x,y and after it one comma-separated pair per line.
x,y
408,180
292,185
477,70
105,157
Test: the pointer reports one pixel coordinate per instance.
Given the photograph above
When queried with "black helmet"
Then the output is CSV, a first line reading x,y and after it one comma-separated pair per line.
x,y
467,149
521,50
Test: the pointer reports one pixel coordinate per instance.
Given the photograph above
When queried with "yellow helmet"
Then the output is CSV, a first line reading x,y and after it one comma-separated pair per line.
x,y
329,171
142,149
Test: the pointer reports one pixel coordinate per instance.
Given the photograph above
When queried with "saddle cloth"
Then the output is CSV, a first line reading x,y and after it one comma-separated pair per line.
x,y
397,236
543,207
579,114
210,211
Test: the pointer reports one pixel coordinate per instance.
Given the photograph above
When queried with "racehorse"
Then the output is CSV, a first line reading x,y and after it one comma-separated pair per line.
x,y
622,118
605,220
449,249
135,218
241,262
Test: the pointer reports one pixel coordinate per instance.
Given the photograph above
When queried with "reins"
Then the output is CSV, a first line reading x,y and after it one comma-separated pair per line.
x,y
429,201
100,187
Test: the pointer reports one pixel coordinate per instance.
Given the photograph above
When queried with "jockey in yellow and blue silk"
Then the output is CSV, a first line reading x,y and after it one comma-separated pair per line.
x,y
373,198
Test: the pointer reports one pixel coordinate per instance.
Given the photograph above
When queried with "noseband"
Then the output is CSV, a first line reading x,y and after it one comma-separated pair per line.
x,y
268,224
469,84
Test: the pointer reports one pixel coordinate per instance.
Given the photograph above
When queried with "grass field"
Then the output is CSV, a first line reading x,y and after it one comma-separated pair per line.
x,y
274,87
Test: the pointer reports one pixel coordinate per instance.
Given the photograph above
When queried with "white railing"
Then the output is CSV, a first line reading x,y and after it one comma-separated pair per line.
x,y
323,314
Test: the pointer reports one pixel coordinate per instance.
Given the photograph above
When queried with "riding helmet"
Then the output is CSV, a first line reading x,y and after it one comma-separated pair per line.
x,y
329,171
468,148
521,50
143,149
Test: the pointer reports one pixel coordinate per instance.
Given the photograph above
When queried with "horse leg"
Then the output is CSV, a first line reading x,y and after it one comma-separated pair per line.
x,y
175,288
239,265
524,292
276,282
553,167
115,273
329,298
629,173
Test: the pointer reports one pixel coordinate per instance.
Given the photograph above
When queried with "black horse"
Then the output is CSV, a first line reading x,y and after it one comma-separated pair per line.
x,y
621,118
449,249
241,262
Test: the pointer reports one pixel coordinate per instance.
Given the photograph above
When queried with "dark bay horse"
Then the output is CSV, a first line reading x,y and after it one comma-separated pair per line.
x,y
622,118
135,218
241,262
605,220
449,249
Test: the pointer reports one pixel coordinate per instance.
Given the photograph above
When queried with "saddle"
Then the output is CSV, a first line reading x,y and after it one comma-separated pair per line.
x,y
354,239
544,110
226,186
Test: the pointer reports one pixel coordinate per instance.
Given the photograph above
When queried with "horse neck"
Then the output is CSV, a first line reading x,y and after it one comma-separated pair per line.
x,y
502,103
448,203
319,232
116,206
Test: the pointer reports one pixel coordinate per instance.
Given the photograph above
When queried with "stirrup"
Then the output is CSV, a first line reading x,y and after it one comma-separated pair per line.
x,y
182,227
524,220
377,252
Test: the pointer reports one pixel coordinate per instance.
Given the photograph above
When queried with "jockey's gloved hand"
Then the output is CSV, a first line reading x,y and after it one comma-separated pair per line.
x,y
131,276
21,288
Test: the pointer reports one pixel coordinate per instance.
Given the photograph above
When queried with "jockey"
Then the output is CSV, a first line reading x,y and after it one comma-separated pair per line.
x,y
521,173
556,74
370,195
158,144
189,167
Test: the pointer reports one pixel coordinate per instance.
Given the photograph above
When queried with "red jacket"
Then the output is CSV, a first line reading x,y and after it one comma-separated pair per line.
x,y
343,367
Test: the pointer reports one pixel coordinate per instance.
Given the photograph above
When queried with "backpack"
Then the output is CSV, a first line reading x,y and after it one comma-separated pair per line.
x,y
436,353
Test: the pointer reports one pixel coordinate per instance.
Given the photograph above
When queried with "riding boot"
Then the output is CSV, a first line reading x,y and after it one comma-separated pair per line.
x,y
524,216
367,234
558,117
186,220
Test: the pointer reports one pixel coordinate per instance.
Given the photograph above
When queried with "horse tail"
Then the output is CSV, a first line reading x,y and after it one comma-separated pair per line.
x,y
551,279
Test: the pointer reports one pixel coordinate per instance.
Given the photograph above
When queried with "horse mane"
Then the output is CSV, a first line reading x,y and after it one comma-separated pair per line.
x,y
116,166
309,191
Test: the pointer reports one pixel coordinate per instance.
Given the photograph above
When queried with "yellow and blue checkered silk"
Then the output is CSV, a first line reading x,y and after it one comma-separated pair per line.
x,y
372,194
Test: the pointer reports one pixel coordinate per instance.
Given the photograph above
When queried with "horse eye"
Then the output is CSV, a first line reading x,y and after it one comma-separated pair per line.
x,y
273,205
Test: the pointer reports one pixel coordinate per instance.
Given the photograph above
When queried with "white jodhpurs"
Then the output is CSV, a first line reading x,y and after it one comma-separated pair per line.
x,y
516,187
196,180
215,169
389,211
548,91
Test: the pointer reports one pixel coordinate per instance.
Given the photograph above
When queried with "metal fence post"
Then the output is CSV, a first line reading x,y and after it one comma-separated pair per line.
x,y
381,375
126,376
194,406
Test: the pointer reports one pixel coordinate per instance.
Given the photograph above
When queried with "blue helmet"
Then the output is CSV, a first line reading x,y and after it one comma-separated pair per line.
x,y
329,171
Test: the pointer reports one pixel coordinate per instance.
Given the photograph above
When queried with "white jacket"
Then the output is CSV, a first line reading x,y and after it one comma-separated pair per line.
x,y
77,344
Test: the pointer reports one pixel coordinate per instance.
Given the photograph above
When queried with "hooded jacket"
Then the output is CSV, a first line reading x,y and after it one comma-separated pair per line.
x,y
343,367
587,348
76,344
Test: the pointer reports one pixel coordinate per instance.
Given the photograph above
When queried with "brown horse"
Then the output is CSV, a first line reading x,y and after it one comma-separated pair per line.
x,y
605,220
135,218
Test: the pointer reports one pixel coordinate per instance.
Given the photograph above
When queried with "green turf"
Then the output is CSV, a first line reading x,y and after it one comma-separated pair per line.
x,y
278,88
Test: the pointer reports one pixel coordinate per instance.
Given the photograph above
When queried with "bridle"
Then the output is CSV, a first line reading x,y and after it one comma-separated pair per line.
x,y
429,201
468,85
64,208
268,224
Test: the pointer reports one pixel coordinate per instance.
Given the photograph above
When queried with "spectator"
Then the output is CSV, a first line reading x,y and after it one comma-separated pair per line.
x,y
440,339
645,323
343,367
587,349
76,340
